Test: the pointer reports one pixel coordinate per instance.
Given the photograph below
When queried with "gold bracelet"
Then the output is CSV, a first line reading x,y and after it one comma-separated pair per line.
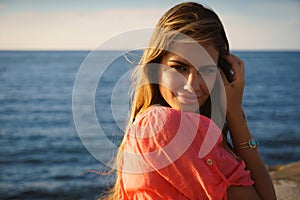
x,y
252,144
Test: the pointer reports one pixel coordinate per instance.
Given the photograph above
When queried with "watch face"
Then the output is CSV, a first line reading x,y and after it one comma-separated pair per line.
x,y
253,143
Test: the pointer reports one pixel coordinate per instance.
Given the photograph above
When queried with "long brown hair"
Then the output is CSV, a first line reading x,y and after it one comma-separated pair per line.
x,y
189,18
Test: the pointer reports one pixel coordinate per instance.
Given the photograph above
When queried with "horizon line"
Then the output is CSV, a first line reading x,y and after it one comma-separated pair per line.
x,y
121,49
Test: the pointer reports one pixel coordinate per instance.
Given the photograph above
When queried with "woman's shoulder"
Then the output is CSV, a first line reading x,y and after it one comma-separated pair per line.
x,y
158,112
160,119
163,113
153,120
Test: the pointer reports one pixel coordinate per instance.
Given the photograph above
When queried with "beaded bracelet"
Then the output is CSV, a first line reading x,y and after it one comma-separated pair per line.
x,y
252,144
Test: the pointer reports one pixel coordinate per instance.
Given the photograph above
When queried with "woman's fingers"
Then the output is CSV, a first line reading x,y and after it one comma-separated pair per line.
x,y
237,65
233,91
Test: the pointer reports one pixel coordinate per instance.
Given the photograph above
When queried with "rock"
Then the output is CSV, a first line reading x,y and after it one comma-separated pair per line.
x,y
286,179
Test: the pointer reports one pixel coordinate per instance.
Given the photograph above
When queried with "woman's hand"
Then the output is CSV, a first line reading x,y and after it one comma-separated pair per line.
x,y
234,90
240,133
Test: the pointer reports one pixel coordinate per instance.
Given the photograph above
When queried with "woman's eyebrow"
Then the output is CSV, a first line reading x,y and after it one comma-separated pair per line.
x,y
184,64
179,62
211,65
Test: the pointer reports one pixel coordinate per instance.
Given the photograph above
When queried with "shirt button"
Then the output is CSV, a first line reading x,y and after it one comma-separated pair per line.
x,y
209,161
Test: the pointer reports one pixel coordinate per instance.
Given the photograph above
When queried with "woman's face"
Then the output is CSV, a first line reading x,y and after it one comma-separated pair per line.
x,y
187,75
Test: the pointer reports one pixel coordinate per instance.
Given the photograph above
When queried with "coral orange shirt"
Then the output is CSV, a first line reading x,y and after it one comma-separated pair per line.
x,y
174,155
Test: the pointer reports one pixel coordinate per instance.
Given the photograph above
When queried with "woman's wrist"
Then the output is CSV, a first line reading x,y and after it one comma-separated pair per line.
x,y
238,127
237,117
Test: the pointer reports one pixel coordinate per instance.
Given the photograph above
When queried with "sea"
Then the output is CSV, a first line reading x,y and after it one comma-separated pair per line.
x,y
44,153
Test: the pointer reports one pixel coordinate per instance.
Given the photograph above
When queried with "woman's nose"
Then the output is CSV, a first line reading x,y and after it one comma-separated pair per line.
x,y
194,80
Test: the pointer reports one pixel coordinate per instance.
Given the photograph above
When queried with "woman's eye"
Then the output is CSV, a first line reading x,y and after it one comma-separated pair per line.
x,y
206,71
179,68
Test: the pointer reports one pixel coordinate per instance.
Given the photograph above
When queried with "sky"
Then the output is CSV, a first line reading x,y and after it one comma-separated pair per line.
x,y
86,24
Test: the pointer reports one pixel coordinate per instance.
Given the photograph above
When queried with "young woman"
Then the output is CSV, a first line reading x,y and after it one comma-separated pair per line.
x,y
188,92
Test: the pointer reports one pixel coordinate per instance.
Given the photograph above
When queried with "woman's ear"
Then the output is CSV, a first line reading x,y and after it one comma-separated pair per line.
x,y
226,68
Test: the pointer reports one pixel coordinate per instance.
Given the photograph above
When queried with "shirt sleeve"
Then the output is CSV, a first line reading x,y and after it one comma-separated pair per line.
x,y
161,158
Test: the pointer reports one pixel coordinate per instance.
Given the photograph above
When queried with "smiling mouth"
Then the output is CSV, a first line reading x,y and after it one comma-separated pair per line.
x,y
187,98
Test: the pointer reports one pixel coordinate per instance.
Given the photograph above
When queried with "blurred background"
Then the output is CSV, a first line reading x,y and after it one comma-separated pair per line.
x,y
44,43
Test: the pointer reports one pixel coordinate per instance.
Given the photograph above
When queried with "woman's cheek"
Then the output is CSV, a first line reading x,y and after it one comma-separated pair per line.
x,y
172,80
209,82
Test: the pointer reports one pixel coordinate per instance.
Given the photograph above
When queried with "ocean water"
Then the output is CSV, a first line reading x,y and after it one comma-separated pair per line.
x,y
42,155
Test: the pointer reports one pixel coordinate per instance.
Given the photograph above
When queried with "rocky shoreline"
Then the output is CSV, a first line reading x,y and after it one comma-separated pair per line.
x,y
286,179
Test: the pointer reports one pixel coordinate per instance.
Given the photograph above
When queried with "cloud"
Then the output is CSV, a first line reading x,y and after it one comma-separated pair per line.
x,y
69,30
87,30
246,32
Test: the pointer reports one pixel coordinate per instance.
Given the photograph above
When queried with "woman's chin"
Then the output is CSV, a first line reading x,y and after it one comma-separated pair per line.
x,y
189,107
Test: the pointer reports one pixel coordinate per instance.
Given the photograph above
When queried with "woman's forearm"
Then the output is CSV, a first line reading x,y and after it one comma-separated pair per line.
x,y
240,133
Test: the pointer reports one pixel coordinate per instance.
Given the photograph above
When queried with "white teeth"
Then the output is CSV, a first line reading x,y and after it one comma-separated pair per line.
x,y
188,95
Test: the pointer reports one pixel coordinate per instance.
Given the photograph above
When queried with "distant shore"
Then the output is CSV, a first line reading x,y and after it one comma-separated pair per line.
x,y
286,179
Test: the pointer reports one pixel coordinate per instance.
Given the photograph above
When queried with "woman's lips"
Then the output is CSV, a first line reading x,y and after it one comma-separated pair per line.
x,y
187,98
